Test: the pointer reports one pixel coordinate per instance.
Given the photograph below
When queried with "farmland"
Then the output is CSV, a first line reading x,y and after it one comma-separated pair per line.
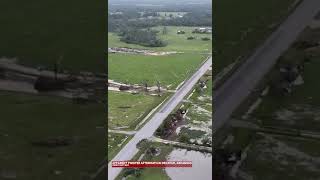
x,y
176,42
127,110
170,70
27,118
39,33
150,55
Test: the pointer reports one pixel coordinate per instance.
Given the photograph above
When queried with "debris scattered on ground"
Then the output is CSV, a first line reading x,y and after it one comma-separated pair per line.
x,y
140,51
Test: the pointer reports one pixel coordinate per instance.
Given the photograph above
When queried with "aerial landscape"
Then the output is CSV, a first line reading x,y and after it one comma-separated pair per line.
x,y
160,87
230,86
266,116
52,89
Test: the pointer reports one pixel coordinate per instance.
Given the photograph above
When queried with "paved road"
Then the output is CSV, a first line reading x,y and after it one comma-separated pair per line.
x,y
238,86
128,151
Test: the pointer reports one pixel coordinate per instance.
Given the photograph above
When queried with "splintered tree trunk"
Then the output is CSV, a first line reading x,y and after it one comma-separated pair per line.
x,y
146,86
159,87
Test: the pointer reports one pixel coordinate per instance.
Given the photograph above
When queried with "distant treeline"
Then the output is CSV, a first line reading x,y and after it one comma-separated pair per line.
x,y
142,37
130,19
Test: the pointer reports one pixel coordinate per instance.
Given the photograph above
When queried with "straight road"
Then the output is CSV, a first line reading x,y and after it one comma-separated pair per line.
x,y
130,149
230,95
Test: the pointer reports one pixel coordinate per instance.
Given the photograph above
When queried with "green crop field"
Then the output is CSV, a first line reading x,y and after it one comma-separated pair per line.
x,y
240,26
115,143
38,33
168,69
176,42
127,110
27,118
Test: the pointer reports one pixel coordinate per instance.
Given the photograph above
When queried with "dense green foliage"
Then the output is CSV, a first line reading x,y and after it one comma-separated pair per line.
x,y
142,37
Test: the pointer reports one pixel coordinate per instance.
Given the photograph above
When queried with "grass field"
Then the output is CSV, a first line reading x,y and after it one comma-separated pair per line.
x,y
169,69
115,143
38,33
127,110
234,19
26,118
176,42
152,173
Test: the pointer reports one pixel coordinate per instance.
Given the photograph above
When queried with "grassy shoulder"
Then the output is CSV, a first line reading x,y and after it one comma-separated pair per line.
x,y
176,42
170,70
27,118
127,110
115,143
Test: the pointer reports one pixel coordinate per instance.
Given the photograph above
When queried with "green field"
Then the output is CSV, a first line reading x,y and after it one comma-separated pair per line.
x,y
168,69
115,143
233,19
39,32
127,110
26,118
176,42
152,173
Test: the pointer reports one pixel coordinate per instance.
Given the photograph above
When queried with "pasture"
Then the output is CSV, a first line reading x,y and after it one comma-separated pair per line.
x,y
39,33
27,118
126,110
176,42
170,70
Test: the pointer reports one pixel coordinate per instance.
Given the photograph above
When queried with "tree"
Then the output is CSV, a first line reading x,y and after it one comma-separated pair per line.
x,y
143,144
205,39
145,84
146,38
159,87
185,138
164,30
132,171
